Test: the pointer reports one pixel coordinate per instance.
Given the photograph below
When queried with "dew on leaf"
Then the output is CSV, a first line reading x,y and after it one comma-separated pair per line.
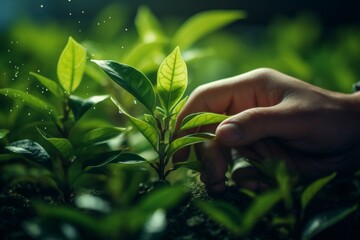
x,y
41,5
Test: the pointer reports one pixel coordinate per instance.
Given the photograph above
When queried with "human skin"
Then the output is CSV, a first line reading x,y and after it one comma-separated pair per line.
x,y
275,116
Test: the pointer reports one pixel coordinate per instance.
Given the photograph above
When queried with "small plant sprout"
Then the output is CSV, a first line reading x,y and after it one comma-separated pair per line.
x,y
163,103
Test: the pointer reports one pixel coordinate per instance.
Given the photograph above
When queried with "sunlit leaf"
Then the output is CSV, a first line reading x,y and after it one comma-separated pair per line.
x,y
132,80
98,135
32,101
283,179
32,151
145,128
182,142
325,220
200,119
172,80
53,86
313,189
148,27
61,145
202,24
155,225
80,106
71,65
223,213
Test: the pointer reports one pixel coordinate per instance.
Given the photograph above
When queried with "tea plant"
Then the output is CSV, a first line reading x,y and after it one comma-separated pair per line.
x,y
163,103
65,154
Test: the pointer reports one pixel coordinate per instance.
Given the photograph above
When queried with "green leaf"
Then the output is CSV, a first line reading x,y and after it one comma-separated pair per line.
x,y
61,145
261,205
313,189
132,80
129,158
146,129
200,119
324,220
3,137
203,24
182,142
32,101
32,151
80,106
162,198
193,165
100,160
53,86
71,65
172,80
151,120
98,135
223,213
148,27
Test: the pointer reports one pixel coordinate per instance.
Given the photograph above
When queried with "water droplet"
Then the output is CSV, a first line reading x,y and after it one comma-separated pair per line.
x,y
79,21
29,114
11,110
135,102
9,61
69,0
82,11
120,112
126,29
94,108
122,47
41,5
79,30
44,128
38,70
109,17
70,14
98,24
9,50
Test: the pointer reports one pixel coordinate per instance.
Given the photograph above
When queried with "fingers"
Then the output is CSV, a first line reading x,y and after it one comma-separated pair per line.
x,y
214,160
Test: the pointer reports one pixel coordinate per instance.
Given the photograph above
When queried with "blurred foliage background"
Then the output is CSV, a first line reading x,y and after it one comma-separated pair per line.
x,y
317,42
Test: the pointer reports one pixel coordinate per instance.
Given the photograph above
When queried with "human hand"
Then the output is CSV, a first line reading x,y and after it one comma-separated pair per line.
x,y
315,131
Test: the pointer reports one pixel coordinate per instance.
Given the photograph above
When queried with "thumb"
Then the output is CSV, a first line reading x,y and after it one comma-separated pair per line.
x,y
254,124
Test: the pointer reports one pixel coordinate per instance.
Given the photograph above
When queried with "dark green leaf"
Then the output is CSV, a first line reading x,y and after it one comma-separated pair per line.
x,y
80,106
200,119
61,145
182,142
71,65
203,24
53,86
98,135
162,198
132,80
32,151
313,189
129,158
32,101
193,165
100,160
324,220
223,213
172,80
146,129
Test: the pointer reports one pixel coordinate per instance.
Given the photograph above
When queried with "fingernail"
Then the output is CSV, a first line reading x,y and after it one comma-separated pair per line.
x,y
230,132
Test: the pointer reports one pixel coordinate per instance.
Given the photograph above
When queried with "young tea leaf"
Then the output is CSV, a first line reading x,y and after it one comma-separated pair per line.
x,y
132,80
314,188
200,119
53,86
80,106
71,65
32,101
145,128
203,24
182,142
172,80
32,151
